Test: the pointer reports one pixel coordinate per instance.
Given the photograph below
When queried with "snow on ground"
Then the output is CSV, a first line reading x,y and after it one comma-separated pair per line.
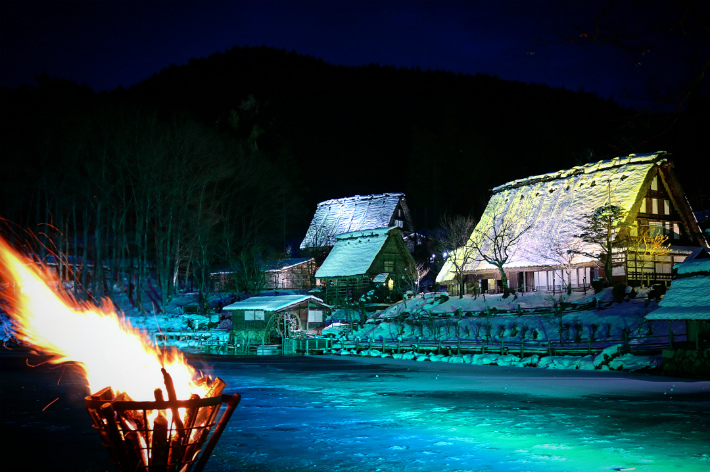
x,y
589,319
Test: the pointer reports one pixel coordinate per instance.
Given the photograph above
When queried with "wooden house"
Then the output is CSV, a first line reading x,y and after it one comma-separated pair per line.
x,y
360,260
358,213
551,254
280,274
263,318
290,274
688,299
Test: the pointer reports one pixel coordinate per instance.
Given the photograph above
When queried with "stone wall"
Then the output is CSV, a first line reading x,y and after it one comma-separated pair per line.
x,y
686,362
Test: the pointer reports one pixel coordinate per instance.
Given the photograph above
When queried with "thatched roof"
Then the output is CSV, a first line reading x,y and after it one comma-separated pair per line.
x,y
688,297
358,213
555,206
354,253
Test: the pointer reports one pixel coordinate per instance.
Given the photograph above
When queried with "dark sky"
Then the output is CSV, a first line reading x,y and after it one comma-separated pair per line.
x,y
107,43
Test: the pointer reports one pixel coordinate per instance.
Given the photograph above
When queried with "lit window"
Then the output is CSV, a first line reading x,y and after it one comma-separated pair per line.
x,y
676,231
654,206
643,206
399,223
666,207
654,183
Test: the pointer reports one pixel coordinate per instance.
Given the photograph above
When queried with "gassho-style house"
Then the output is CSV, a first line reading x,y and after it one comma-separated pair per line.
x,y
362,260
553,206
358,213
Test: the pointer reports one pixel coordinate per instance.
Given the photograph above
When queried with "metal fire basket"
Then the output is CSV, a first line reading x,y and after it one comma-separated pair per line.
x,y
149,436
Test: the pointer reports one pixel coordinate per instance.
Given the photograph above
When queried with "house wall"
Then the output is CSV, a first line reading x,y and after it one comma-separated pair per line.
x,y
297,277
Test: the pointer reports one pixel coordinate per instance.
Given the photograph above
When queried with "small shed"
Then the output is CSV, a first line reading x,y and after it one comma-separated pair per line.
x,y
268,317
688,299
362,259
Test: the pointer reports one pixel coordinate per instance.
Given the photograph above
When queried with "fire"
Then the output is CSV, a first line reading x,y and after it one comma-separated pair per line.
x,y
103,344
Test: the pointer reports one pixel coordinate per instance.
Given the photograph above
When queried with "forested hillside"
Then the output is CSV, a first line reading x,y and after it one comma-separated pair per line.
x,y
226,157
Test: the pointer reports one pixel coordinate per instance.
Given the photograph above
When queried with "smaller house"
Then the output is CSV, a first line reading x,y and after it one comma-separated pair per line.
x,y
361,260
279,274
264,318
290,274
688,299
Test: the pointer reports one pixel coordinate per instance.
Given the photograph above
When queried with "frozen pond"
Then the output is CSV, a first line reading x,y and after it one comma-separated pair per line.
x,y
363,414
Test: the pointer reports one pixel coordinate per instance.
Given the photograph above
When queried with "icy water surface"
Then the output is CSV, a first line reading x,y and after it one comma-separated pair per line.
x,y
361,415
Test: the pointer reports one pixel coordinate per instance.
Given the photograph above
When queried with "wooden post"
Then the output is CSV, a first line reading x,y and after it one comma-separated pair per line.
x,y
549,347
522,348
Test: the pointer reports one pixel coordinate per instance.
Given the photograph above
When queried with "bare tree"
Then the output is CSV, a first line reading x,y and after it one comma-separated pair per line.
x,y
454,241
564,255
321,239
494,238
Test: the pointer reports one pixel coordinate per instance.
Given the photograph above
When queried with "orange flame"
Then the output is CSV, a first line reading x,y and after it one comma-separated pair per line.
x,y
105,345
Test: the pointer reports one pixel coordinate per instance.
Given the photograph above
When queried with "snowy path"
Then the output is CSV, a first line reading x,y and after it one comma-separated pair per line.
x,y
362,415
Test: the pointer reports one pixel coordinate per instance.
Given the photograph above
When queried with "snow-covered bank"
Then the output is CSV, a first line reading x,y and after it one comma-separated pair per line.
x,y
615,332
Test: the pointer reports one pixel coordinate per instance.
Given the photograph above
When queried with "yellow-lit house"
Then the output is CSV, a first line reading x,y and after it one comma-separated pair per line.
x,y
550,254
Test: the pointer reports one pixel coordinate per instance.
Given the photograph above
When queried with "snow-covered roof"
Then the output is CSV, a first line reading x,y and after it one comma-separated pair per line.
x,y
555,205
281,264
688,298
358,213
354,253
275,303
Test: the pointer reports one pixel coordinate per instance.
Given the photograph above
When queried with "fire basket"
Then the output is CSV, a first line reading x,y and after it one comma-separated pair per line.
x,y
161,435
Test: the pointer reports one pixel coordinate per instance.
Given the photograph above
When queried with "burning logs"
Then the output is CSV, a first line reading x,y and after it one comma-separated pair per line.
x,y
161,435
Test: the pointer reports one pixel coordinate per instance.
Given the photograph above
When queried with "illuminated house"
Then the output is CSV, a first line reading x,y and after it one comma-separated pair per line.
x,y
554,206
688,300
280,274
358,213
290,274
261,319
361,259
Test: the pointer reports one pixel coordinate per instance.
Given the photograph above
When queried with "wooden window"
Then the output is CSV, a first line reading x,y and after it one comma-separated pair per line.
x,y
315,316
254,315
666,207
654,183
643,206
654,206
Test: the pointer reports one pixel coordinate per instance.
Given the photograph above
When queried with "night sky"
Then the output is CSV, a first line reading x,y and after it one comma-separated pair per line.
x,y
106,44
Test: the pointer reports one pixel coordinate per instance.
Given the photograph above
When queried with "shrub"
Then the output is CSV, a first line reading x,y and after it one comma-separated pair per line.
x,y
599,285
619,292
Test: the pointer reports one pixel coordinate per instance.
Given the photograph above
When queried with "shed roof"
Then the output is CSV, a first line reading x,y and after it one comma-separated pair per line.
x,y
354,253
281,264
346,215
555,204
275,303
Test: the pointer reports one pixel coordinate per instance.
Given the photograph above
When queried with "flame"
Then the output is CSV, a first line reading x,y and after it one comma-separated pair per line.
x,y
103,344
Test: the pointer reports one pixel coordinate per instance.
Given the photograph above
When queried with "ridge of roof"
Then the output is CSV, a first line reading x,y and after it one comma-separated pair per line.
x,y
657,157
365,233
359,198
